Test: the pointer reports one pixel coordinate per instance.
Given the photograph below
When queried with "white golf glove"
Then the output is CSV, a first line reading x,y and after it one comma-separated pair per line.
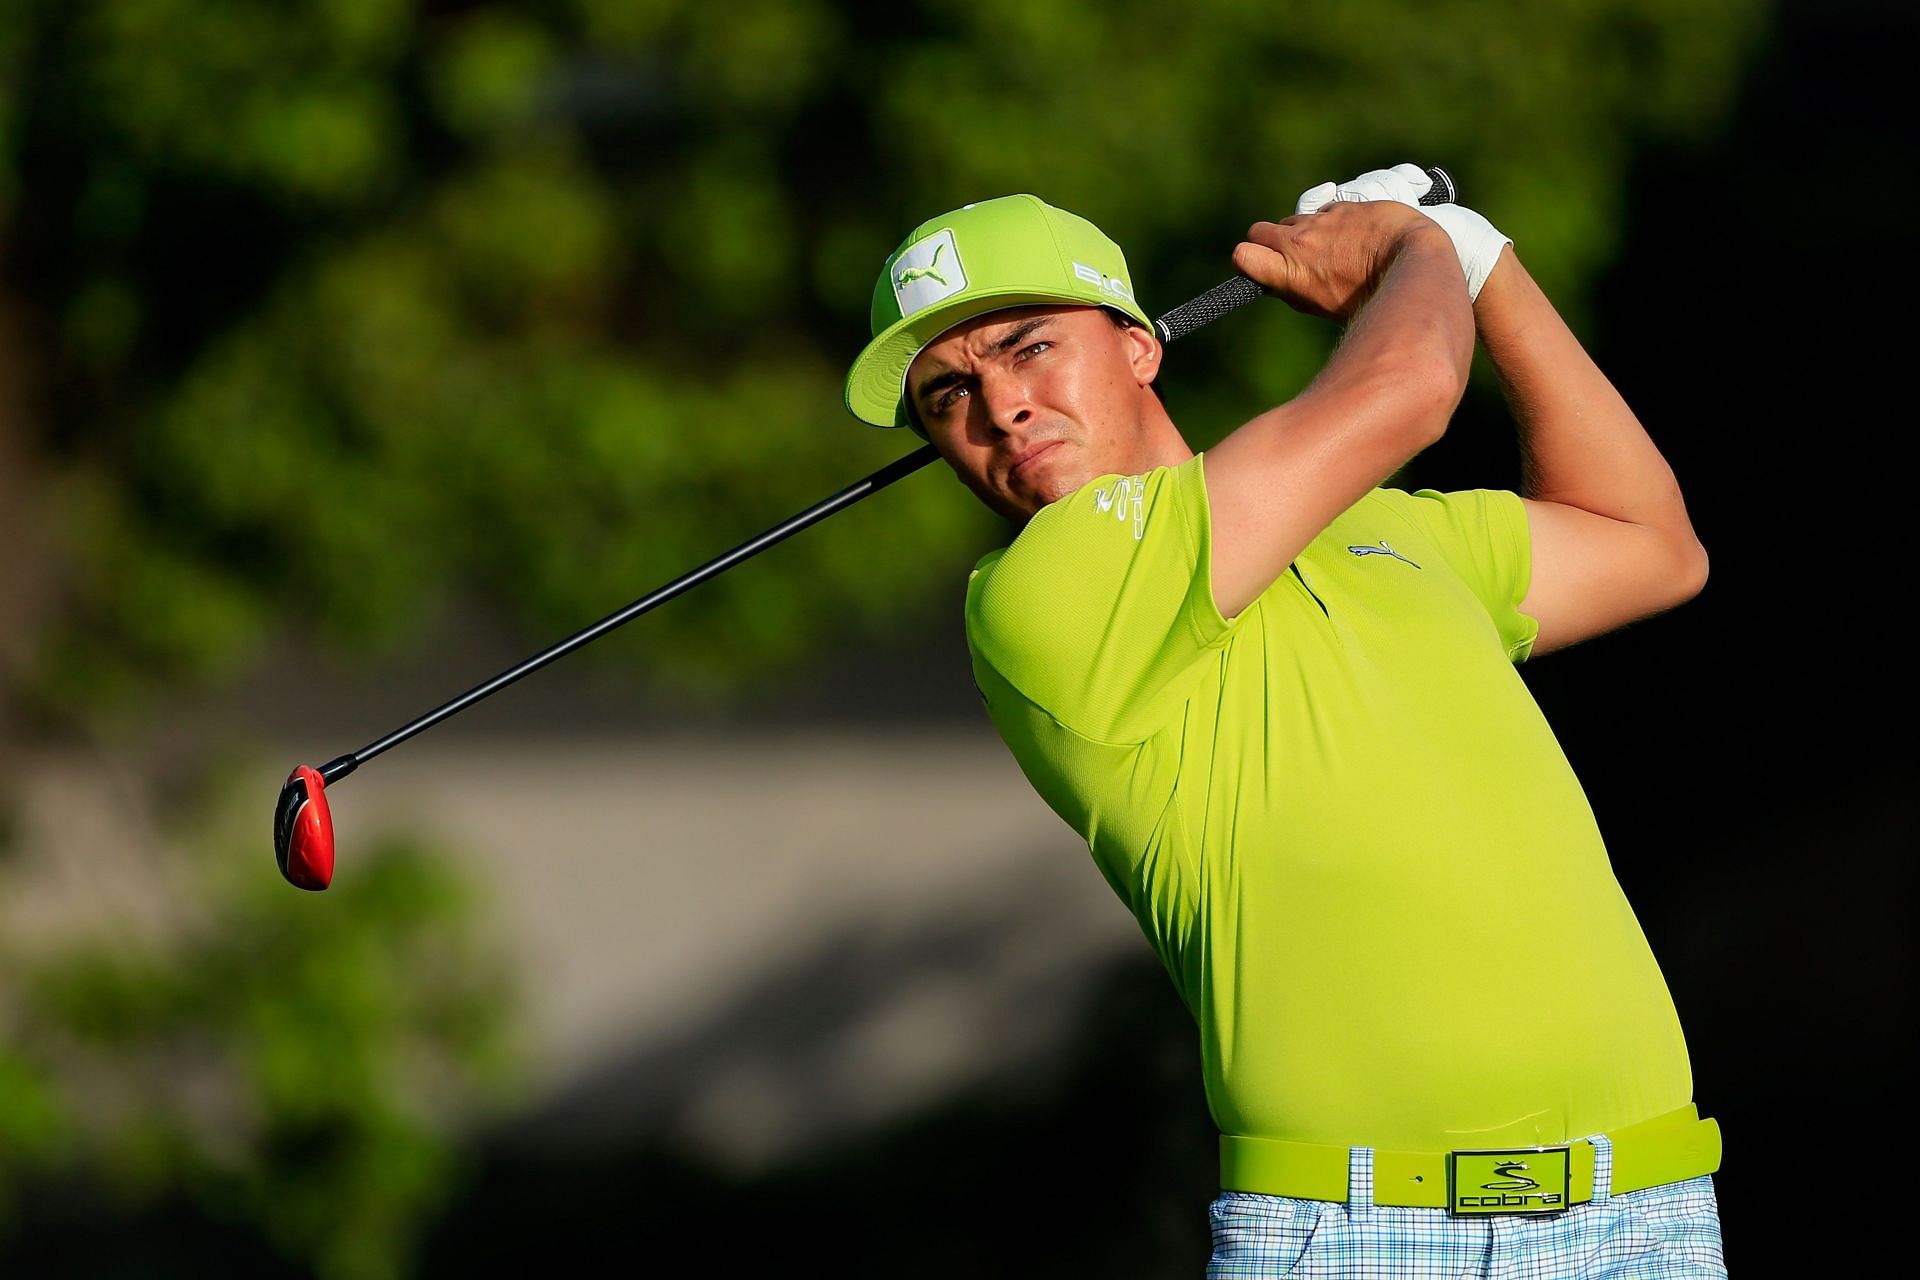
x,y
1474,238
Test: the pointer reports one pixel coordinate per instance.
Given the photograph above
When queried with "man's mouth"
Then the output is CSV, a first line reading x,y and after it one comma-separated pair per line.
x,y
1037,454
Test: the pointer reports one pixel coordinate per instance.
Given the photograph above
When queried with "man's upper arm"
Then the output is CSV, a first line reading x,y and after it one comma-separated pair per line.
x,y
1593,574
1280,479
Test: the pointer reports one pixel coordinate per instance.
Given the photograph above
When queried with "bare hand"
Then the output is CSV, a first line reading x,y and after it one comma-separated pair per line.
x,y
1329,263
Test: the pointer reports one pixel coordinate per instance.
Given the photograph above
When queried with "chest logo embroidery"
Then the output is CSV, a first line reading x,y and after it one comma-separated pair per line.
x,y
1382,550
1126,498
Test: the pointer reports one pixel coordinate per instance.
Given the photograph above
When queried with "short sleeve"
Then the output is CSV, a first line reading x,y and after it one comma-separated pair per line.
x,y
1482,535
1102,610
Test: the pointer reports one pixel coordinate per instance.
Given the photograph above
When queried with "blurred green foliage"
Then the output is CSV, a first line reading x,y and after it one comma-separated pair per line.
x,y
343,311
297,1064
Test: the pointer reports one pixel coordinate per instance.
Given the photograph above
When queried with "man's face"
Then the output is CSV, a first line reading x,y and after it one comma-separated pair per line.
x,y
996,390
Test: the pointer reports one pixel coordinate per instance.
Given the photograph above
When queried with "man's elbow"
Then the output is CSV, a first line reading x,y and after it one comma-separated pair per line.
x,y
1690,577
1423,392
1445,384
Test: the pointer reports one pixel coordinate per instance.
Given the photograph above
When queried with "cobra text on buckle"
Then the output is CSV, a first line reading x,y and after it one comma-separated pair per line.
x,y
1509,1180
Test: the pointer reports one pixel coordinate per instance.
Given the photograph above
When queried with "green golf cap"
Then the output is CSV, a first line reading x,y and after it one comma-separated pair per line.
x,y
1013,251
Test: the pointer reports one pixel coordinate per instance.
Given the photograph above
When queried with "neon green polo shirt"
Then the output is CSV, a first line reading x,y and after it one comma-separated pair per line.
x,y
1340,818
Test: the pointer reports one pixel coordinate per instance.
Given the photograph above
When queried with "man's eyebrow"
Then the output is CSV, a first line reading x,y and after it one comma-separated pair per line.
x,y
941,381
1015,338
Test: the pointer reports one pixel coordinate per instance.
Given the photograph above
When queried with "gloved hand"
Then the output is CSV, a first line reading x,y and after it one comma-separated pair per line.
x,y
1474,238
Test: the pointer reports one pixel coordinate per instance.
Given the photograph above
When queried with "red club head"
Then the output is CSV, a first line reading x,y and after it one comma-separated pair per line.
x,y
303,830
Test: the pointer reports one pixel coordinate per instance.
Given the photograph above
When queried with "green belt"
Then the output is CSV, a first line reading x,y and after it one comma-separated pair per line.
x,y
1667,1148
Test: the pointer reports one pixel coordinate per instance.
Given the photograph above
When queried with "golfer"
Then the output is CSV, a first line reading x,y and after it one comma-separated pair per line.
x,y
1279,702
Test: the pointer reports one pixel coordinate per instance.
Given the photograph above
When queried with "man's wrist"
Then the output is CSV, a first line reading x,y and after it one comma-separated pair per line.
x,y
1497,294
1425,232
1427,242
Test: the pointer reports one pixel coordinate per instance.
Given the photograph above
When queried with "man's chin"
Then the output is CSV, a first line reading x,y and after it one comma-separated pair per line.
x,y
1059,475
1065,481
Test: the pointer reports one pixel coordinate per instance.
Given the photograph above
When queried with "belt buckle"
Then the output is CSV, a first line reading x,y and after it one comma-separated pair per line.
x,y
1530,1180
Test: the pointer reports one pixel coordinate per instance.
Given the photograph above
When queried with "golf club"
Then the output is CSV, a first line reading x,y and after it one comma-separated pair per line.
x,y
302,822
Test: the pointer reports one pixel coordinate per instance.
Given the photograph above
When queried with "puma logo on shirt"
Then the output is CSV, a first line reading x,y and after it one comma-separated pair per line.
x,y
1382,550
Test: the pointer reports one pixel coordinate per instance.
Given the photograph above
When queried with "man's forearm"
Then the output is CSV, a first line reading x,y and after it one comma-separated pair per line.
x,y
1579,442
1420,306
1401,364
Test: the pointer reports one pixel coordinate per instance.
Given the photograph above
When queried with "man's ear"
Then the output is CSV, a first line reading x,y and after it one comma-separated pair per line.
x,y
1144,351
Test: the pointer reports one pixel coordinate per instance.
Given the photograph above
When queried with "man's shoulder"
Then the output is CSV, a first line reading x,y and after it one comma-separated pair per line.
x,y
1098,526
986,562
1104,505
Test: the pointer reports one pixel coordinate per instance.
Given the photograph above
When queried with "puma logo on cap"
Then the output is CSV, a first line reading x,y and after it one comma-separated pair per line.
x,y
927,271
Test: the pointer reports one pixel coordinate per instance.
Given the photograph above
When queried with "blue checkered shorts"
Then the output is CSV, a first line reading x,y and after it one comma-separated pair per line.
x,y
1669,1232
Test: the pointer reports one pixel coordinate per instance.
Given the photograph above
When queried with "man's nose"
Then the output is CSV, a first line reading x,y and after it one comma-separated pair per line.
x,y
1006,398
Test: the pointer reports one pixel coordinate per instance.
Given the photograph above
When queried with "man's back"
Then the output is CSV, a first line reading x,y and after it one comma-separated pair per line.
x,y
1340,818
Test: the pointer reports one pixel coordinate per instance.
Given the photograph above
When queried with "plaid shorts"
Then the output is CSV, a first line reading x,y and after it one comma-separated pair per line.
x,y
1669,1232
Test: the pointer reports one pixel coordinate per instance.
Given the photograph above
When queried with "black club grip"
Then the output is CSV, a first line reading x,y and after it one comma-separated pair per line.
x,y
1230,295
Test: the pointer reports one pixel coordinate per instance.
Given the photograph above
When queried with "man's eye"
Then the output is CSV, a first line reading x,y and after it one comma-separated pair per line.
x,y
1035,347
946,400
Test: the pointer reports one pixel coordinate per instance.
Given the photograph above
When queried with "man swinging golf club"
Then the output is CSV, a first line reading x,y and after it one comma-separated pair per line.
x,y
1279,702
